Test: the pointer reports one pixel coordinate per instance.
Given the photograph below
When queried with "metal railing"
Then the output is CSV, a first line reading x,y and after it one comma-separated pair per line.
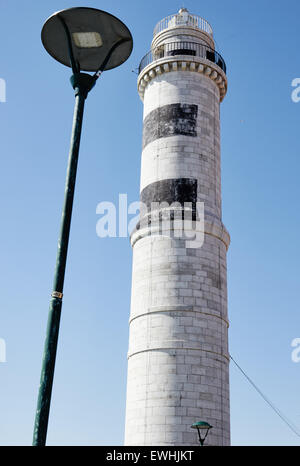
x,y
173,49
183,20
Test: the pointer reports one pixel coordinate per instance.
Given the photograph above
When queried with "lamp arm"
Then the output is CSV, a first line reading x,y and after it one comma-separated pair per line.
x,y
202,440
75,66
205,436
104,63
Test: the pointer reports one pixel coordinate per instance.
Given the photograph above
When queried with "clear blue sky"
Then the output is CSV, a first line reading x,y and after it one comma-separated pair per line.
x,y
259,41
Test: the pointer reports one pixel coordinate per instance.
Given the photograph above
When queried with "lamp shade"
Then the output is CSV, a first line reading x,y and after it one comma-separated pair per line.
x,y
201,425
90,34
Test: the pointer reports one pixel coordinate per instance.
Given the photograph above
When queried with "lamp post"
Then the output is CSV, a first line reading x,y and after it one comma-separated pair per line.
x,y
203,429
85,39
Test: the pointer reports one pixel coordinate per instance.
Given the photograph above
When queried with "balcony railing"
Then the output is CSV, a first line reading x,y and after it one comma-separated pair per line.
x,y
185,19
172,49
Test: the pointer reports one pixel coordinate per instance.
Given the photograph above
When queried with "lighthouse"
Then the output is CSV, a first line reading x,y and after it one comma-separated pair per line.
x,y
178,360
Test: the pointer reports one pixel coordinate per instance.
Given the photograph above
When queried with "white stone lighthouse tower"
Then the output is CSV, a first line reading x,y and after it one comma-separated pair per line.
x,y
178,360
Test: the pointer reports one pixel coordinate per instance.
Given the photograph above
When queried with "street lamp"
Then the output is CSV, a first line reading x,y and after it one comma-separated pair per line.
x,y
203,429
85,39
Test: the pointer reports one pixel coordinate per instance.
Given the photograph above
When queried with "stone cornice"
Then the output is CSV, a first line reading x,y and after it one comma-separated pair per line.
x,y
176,345
183,63
177,308
212,228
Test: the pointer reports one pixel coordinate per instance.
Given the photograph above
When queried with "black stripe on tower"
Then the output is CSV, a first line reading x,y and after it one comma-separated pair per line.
x,y
179,190
170,120
170,190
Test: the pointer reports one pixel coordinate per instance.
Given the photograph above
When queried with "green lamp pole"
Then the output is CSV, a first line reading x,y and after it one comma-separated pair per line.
x,y
203,428
91,40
